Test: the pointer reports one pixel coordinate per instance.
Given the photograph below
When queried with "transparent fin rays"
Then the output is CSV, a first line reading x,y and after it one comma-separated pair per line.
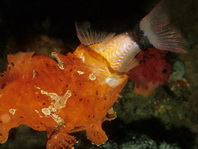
x,y
160,32
88,36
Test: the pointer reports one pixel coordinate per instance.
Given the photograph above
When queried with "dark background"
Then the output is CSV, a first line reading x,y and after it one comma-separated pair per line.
x,y
22,20
25,18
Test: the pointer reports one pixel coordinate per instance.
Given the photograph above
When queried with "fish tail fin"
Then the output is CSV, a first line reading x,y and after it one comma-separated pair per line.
x,y
159,31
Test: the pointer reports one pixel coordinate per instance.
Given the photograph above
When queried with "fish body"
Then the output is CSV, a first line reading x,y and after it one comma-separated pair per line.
x,y
60,98
76,91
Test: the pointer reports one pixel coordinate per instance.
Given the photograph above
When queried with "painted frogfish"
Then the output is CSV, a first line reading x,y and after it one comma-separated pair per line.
x,y
76,92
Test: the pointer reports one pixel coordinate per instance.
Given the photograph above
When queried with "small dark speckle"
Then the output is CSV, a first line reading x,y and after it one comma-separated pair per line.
x,y
80,99
80,84
47,64
1,134
105,98
87,100
164,71
21,117
3,85
66,85
44,103
1,75
1,122
70,70
89,116
96,92
12,63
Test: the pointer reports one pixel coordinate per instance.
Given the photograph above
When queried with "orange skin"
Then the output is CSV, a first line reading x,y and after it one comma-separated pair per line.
x,y
58,97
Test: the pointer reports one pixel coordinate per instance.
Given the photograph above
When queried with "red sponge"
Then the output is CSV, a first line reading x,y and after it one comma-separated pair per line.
x,y
153,70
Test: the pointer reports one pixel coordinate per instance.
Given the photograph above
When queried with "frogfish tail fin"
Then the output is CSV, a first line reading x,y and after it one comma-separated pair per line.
x,y
160,32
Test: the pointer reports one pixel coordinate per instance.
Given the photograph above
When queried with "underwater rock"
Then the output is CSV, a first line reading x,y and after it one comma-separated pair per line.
x,y
178,71
24,137
134,141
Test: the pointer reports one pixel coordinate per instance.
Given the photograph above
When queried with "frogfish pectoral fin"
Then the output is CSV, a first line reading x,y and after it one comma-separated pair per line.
x,y
61,140
96,134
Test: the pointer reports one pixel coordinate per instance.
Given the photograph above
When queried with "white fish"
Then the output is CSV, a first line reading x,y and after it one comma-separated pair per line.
x,y
120,50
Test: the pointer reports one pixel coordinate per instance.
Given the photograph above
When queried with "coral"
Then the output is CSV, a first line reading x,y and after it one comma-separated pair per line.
x,y
153,70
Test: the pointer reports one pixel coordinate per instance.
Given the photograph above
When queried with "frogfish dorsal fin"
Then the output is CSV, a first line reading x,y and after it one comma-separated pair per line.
x,y
88,36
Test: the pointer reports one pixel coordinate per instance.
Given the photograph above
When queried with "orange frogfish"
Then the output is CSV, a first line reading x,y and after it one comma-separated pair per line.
x,y
76,91
72,93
